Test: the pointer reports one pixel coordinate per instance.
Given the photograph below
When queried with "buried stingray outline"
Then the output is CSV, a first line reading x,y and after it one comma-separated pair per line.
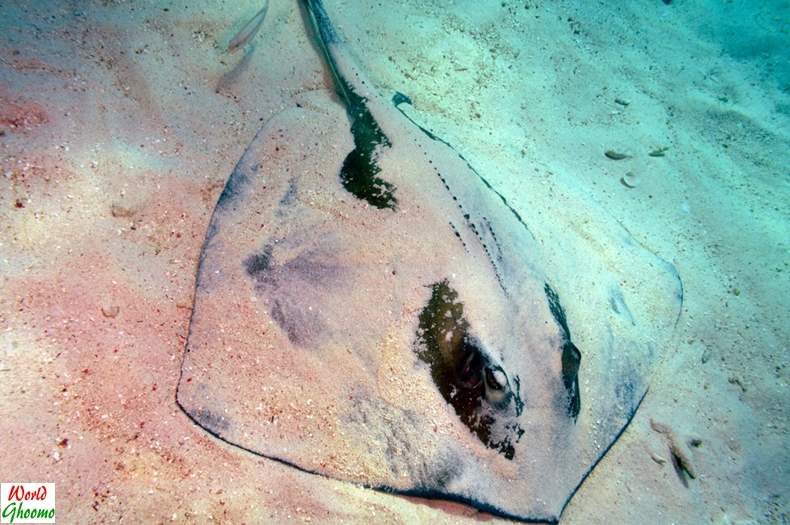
x,y
457,378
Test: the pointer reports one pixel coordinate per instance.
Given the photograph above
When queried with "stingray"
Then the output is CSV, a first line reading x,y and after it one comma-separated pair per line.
x,y
369,308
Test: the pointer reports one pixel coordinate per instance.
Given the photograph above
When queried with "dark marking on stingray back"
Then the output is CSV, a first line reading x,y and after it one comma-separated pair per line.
x,y
497,244
473,228
458,236
571,356
399,98
258,263
290,286
360,169
463,373
359,174
289,196
299,327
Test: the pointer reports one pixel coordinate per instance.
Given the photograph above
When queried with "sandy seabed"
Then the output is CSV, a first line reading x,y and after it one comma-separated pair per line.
x,y
121,120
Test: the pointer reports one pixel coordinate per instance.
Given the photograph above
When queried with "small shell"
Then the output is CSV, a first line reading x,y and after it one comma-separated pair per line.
x,y
110,311
615,155
658,459
629,180
116,210
659,152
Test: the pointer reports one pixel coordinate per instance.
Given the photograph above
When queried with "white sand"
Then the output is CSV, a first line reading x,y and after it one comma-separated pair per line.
x,y
116,103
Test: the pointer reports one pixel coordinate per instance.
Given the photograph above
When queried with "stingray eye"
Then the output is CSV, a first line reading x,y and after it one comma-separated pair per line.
x,y
495,379
471,364
496,385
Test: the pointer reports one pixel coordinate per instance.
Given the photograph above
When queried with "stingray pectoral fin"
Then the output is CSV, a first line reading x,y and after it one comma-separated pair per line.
x,y
621,302
247,324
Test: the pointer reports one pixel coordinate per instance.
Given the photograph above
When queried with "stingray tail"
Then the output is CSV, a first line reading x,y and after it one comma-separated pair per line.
x,y
321,23
327,37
